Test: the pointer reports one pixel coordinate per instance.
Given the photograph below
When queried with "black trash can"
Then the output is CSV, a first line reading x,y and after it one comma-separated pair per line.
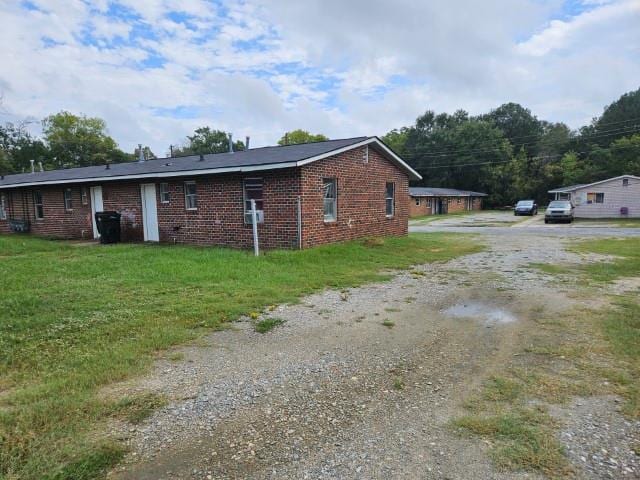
x,y
108,224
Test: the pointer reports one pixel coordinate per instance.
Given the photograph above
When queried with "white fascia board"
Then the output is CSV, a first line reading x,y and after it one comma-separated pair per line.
x,y
183,173
580,187
253,168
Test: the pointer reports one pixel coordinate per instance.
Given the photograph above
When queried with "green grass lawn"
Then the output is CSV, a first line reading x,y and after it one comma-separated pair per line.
x,y
74,319
618,222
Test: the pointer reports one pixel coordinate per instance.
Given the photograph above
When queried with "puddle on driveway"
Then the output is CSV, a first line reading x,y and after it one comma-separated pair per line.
x,y
486,314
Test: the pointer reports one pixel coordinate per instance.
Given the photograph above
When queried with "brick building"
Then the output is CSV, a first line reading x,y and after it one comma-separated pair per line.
x,y
436,201
305,195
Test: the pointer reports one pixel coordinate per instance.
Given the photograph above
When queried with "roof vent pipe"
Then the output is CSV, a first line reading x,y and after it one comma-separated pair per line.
x,y
230,142
246,143
140,154
33,168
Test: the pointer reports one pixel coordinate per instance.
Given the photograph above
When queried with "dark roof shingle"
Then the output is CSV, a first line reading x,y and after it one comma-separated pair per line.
x,y
445,192
256,158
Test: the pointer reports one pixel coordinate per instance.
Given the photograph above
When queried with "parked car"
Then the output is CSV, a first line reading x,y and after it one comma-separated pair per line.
x,y
526,207
559,210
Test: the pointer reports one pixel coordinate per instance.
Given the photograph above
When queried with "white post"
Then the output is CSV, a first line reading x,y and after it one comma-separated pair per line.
x,y
299,223
254,222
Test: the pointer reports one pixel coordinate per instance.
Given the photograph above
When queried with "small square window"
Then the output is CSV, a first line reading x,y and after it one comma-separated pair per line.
x,y
418,201
164,193
625,182
390,192
190,195
330,197
68,199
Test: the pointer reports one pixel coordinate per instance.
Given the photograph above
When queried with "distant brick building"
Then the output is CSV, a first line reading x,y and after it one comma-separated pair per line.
x,y
436,201
305,195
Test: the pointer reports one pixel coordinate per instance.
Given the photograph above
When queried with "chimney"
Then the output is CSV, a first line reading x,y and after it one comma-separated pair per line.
x,y
140,154
201,157
40,166
230,142
33,168
246,143
108,165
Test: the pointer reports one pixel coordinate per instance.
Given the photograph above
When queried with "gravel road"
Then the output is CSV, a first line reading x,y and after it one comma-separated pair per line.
x,y
333,393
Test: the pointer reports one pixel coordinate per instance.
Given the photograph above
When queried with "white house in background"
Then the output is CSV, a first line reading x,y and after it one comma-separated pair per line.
x,y
617,197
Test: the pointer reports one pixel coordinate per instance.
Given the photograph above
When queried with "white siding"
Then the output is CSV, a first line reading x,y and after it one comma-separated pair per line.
x,y
615,197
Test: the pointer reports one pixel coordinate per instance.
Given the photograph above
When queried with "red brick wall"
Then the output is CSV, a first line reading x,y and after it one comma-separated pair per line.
x,y
219,219
57,222
361,198
424,208
452,203
126,199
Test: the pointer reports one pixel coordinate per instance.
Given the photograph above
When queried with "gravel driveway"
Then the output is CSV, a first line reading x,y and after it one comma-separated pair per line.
x,y
334,393
505,223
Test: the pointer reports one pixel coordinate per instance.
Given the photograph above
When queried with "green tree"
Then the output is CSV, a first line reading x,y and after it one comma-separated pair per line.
x,y
206,140
518,124
295,137
20,148
618,120
625,156
396,139
78,140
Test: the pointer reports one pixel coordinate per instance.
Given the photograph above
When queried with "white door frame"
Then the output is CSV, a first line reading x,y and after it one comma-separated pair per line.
x,y
97,205
149,212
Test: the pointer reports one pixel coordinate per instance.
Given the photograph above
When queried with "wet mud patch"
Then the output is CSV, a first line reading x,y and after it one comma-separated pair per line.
x,y
484,313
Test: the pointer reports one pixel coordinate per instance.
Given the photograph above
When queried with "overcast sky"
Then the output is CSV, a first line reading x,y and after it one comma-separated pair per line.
x,y
157,69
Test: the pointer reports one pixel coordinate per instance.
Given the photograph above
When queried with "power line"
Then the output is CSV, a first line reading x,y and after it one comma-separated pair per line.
x,y
624,130
637,119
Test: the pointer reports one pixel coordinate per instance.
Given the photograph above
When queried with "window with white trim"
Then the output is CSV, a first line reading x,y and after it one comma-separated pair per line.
x,y
390,192
595,197
38,206
164,193
253,189
190,195
68,199
3,206
330,199
418,201
84,196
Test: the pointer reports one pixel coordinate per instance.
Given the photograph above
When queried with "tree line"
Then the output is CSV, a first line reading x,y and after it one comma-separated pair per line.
x,y
511,155
70,140
508,152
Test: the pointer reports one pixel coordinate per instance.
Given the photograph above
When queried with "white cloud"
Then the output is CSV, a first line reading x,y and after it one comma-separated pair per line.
x,y
261,67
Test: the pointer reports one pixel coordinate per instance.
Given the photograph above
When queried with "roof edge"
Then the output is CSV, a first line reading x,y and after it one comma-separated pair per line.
x,y
578,187
413,175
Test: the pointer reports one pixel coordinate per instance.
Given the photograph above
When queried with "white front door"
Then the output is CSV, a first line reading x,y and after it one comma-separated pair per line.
x,y
96,206
150,212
